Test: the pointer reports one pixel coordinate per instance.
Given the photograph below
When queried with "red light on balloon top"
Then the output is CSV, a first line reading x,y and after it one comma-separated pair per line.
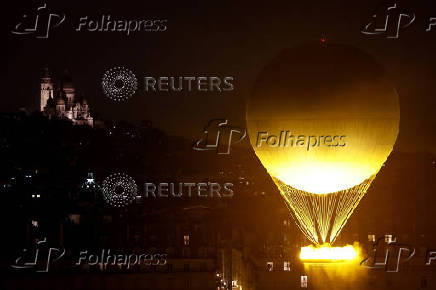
x,y
323,41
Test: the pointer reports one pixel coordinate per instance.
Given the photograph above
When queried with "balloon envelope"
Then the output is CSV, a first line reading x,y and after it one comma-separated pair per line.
x,y
323,118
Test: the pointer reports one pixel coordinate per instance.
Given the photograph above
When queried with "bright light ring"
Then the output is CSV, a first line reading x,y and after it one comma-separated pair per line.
x,y
119,189
326,253
119,84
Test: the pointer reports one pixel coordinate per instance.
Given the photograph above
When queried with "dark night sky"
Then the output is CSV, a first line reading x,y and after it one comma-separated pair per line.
x,y
217,38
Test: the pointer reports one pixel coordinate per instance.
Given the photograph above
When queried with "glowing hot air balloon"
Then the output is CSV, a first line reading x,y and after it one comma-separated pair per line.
x,y
322,120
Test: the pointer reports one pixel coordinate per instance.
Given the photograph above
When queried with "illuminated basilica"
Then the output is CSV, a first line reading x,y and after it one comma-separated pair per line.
x,y
62,101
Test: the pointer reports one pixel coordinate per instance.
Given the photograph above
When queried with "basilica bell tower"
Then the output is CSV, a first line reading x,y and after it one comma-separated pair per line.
x,y
46,89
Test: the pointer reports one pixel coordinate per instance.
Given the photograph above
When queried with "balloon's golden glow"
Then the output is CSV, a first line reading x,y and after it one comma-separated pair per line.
x,y
323,120
320,178
325,169
338,91
327,253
